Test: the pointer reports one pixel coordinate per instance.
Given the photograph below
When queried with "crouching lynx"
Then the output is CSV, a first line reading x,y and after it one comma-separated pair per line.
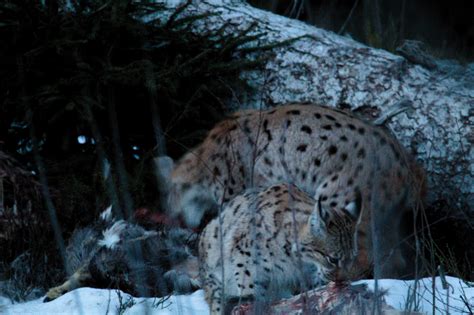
x,y
275,243
328,153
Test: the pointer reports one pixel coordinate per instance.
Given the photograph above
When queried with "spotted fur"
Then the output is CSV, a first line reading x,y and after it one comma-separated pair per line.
x,y
275,243
328,153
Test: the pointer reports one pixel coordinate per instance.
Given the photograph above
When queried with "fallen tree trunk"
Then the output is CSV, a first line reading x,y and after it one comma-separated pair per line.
x,y
321,67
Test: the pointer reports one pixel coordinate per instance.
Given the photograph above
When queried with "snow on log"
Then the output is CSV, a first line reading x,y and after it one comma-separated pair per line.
x,y
321,67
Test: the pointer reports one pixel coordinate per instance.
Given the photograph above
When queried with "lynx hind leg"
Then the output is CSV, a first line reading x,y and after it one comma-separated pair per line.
x,y
392,262
391,247
394,266
387,251
79,279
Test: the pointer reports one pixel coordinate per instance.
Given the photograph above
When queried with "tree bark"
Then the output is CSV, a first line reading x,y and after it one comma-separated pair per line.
x,y
321,67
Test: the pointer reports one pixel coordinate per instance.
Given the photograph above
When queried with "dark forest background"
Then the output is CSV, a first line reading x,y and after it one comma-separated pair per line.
x,y
446,27
90,94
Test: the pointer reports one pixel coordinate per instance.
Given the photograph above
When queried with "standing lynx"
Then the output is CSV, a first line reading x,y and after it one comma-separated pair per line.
x,y
327,153
275,243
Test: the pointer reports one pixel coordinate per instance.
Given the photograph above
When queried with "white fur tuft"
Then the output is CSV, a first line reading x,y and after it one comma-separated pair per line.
x,y
106,215
111,236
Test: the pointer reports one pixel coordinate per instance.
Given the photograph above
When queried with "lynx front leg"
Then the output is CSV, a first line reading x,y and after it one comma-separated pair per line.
x,y
77,280
214,299
221,299
391,259
213,290
393,265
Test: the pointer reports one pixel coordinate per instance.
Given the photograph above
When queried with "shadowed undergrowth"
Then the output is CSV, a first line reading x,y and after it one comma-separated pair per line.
x,y
94,92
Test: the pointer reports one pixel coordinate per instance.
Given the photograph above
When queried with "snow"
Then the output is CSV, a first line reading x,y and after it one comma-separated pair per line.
x,y
101,301
399,293
88,301
4,301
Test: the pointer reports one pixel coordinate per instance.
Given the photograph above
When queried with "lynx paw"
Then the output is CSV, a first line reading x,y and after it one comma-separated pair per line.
x,y
54,293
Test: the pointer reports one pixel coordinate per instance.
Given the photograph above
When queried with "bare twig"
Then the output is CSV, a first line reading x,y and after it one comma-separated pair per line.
x,y
343,27
397,108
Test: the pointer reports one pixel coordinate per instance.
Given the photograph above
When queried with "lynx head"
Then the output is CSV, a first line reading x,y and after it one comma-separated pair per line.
x,y
334,234
185,195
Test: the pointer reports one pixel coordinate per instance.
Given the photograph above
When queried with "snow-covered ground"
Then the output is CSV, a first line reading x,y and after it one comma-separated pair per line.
x,y
454,300
89,301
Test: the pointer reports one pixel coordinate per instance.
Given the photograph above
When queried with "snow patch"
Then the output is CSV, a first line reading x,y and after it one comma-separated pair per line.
x,y
4,301
100,301
88,301
420,294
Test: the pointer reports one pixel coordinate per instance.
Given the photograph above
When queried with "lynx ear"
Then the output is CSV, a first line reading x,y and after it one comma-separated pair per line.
x,y
353,209
323,213
319,220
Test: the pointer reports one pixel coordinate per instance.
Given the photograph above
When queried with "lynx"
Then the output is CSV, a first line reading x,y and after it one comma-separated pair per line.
x,y
274,244
327,153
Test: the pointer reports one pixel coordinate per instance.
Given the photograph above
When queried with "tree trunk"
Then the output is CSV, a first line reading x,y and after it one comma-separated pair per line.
x,y
321,67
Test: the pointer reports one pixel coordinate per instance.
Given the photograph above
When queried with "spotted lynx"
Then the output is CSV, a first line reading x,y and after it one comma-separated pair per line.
x,y
325,152
275,243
